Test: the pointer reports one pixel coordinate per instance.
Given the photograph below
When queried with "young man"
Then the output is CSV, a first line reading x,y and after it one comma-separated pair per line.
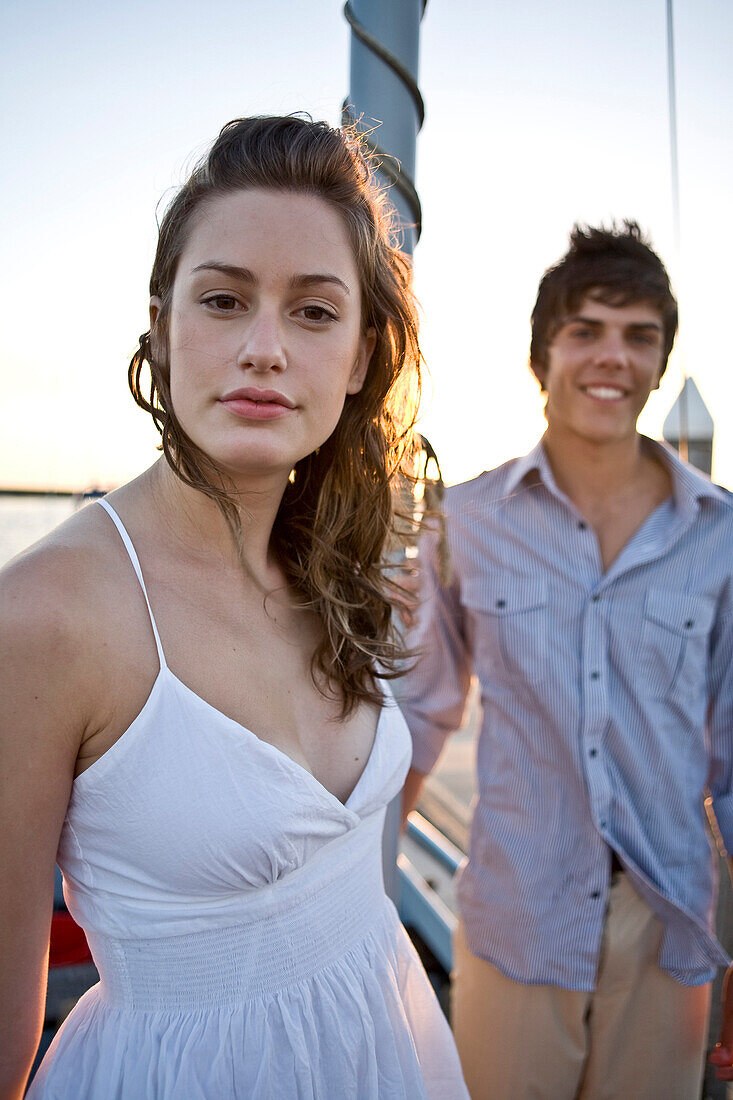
x,y
591,593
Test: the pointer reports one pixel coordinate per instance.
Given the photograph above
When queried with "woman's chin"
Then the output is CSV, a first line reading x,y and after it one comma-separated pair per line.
x,y
254,463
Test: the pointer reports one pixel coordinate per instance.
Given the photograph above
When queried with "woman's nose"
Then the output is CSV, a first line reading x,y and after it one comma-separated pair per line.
x,y
262,348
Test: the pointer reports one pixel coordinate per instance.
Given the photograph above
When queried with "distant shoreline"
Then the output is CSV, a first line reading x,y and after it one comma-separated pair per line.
x,y
94,492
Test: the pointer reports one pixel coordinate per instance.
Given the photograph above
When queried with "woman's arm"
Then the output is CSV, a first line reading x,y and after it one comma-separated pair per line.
x,y
42,689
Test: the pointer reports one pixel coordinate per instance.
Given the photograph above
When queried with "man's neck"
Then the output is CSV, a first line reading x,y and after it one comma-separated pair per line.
x,y
615,486
588,471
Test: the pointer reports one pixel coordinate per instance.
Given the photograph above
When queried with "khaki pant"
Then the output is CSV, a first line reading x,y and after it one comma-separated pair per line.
x,y
640,1035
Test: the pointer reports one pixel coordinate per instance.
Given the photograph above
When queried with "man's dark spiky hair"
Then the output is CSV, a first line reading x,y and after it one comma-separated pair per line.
x,y
615,265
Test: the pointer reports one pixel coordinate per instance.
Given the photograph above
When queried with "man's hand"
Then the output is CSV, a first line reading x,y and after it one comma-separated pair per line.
x,y
722,1055
404,588
411,793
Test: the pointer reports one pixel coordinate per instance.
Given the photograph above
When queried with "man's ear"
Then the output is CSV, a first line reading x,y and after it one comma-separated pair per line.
x,y
540,374
367,343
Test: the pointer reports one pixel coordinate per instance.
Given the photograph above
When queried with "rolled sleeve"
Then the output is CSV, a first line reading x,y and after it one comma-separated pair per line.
x,y
433,693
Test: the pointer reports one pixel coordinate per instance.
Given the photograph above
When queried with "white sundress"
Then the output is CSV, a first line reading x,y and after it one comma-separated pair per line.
x,y
236,913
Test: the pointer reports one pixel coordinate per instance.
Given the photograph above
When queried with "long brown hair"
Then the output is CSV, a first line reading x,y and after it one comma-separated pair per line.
x,y
336,515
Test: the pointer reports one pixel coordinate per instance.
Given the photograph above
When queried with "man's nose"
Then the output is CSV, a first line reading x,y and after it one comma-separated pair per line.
x,y
612,351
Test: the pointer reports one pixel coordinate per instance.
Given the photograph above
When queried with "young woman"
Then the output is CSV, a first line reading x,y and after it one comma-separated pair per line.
x,y
195,719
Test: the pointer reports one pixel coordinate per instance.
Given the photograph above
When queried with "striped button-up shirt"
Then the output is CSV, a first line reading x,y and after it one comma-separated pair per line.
x,y
607,714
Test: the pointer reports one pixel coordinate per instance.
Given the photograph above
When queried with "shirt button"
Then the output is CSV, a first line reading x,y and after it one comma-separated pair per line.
x,y
595,675
596,894
593,752
501,603
689,624
582,525
595,597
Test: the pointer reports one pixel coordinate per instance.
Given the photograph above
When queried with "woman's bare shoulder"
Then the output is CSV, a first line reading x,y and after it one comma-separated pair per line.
x,y
56,630
51,592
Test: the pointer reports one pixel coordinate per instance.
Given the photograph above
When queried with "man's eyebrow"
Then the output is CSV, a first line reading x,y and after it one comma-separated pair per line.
x,y
242,274
579,318
656,325
301,281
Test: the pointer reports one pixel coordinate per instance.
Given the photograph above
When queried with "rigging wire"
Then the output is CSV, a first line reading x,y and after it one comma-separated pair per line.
x,y
675,182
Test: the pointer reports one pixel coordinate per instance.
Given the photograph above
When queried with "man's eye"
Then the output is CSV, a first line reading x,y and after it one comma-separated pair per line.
x,y
224,303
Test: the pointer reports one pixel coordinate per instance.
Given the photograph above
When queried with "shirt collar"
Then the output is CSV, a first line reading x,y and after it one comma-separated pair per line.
x,y
535,461
689,485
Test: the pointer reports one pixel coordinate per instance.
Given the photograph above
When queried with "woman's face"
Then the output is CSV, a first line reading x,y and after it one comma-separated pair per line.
x,y
265,334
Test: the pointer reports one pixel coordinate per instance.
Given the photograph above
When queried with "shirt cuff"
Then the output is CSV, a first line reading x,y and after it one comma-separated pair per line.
x,y
427,743
723,809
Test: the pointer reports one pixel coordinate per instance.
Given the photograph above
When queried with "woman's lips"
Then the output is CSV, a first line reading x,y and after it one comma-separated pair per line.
x,y
246,409
252,404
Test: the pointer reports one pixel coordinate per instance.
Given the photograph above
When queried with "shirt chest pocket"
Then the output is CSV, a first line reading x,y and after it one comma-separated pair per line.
x,y
508,614
675,641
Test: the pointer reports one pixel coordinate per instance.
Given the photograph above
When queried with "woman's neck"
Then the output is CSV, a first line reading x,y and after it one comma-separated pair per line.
x,y
197,522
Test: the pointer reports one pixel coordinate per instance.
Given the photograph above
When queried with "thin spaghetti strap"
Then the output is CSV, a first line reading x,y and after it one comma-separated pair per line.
x,y
138,571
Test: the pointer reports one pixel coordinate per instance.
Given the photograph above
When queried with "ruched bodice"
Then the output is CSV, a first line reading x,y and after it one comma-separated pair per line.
x,y
189,815
236,912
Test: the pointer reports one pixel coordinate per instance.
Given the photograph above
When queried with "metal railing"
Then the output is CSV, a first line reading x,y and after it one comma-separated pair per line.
x,y
421,907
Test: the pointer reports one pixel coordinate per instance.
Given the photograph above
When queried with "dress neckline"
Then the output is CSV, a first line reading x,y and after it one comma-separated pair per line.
x,y
165,671
299,769
166,674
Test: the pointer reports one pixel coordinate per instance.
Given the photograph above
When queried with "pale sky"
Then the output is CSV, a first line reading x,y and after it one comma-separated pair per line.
x,y
538,114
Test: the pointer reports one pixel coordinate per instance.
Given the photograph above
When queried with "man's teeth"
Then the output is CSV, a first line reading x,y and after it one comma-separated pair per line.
x,y
604,393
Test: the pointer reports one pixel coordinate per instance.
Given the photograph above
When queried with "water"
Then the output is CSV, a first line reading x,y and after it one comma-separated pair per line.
x,y
24,520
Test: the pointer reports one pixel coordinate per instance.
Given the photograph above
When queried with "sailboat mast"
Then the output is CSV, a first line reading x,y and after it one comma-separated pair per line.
x,y
384,103
384,100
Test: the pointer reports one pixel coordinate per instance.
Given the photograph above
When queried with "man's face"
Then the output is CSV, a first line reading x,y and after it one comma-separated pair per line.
x,y
602,364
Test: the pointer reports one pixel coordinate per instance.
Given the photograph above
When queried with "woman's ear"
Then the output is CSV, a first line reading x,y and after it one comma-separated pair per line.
x,y
367,343
154,309
155,305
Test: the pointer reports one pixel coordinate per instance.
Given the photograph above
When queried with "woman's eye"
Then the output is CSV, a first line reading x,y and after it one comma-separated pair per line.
x,y
224,303
318,314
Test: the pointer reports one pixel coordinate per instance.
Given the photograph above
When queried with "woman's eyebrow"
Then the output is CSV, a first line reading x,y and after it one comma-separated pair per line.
x,y
243,274
299,281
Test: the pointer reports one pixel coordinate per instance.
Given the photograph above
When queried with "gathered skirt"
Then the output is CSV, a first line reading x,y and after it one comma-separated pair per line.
x,y
326,1000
